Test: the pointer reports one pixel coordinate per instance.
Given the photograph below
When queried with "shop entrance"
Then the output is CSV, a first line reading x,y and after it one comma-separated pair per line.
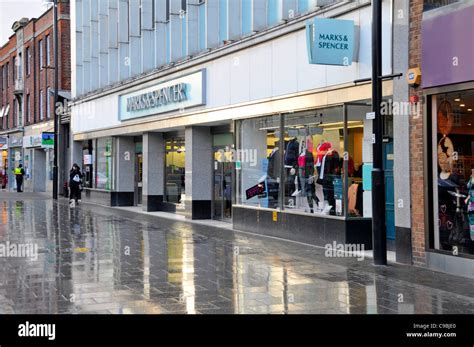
x,y
222,188
138,174
223,176
389,190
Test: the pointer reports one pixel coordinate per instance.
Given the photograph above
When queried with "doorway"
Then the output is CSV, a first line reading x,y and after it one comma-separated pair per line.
x,y
223,181
389,189
138,200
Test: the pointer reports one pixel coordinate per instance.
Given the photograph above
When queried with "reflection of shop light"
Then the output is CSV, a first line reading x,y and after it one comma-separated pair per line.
x,y
339,125
327,126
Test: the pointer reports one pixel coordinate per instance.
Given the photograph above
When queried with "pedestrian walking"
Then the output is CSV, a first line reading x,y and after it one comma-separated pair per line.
x,y
75,181
19,174
4,179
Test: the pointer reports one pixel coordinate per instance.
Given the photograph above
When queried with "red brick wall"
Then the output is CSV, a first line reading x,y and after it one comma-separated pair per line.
x,y
40,79
416,144
7,52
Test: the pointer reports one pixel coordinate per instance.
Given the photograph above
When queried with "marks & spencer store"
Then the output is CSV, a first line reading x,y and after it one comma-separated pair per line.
x,y
251,133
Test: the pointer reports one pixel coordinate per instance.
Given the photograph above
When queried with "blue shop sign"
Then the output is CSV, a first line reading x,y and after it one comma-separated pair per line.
x,y
330,41
178,94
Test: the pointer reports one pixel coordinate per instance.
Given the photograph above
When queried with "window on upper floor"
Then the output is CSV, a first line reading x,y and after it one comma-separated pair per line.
x,y
41,106
14,70
41,56
27,61
15,113
48,53
48,103
183,6
19,65
168,10
28,108
433,4
7,67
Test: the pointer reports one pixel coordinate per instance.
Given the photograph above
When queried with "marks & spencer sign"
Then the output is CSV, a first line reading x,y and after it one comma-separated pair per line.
x,y
178,94
331,41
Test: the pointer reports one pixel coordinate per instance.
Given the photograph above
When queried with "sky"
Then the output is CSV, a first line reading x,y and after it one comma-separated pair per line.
x,y
13,10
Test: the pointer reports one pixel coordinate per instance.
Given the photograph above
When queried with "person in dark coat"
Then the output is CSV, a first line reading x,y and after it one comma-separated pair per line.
x,y
75,180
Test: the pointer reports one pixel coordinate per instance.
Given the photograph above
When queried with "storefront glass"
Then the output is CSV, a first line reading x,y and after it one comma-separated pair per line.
x,y
258,162
175,172
453,171
320,167
104,172
88,163
314,143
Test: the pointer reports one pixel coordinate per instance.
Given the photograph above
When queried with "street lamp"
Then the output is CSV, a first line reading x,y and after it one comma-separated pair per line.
x,y
56,86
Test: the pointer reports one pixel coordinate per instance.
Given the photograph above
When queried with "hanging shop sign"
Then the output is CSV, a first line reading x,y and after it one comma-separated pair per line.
x,y
331,41
177,94
47,140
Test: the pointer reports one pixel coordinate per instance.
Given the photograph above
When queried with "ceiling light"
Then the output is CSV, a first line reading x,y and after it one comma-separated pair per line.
x,y
462,105
457,99
469,109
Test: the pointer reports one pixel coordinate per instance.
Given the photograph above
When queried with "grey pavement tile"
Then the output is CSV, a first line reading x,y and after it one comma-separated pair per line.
x,y
192,269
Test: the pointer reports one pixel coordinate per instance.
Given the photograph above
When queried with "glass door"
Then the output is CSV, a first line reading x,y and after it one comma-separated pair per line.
x,y
138,179
223,168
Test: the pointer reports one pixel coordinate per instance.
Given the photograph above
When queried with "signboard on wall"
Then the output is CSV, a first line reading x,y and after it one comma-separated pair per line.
x,y
448,47
32,141
177,94
331,41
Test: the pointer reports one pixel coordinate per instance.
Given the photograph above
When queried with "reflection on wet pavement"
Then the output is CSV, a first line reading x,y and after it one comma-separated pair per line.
x,y
94,260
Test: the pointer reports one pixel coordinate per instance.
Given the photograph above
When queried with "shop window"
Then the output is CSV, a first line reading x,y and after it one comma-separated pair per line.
x,y
306,162
453,172
313,161
104,173
259,162
429,5
175,172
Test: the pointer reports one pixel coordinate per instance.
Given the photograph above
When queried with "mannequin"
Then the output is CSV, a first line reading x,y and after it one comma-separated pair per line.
x,y
291,162
329,169
309,183
273,173
470,204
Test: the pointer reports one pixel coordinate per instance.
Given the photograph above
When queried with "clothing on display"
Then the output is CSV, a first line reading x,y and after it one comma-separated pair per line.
x,y
470,206
329,170
274,164
273,174
291,153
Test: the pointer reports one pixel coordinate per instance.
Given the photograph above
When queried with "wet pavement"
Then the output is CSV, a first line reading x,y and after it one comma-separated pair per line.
x,y
94,259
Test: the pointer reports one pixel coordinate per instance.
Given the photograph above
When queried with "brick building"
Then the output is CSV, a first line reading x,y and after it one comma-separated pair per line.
x,y
26,94
442,140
